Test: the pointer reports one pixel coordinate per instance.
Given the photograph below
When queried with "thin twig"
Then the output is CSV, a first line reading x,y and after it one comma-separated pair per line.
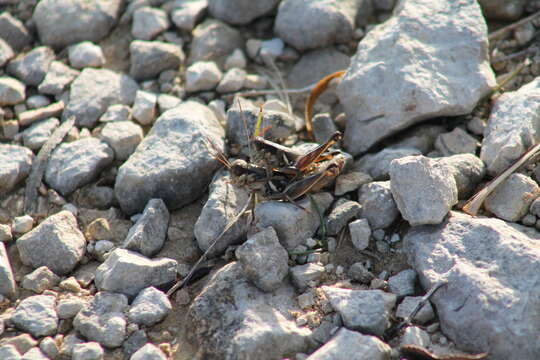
x,y
180,284
40,163
499,34
527,51
511,76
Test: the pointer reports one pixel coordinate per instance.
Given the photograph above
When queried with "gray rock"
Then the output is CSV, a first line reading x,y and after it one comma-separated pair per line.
x,y
488,265
213,41
202,75
535,207
64,22
149,352
57,79
32,67
134,342
8,288
360,233
364,310
503,10
144,107
341,214
6,234
313,66
351,345
14,32
233,80
323,127
413,335
402,284
12,91
94,90
69,343
128,272
358,272
378,165
85,54
422,92
6,52
292,224
103,321
307,25
149,58
457,141
378,205
188,13
16,164
78,163
22,342
511,200
22,224
49,347
56,243
225,201
116,113
148,234
40,280
149,22
240,12
167,102
123,137
37,101
87,351
233,319
512,127
38,133
304,275
351,181
168,163
9,352
34,354
36,315
409,303
423,189
264,260
149,307
468,171
69,308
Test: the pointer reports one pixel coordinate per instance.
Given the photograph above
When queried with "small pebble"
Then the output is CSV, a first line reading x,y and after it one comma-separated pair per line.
x,y
22,224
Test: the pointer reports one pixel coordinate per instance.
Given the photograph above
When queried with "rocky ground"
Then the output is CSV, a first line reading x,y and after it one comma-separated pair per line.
x,y
109,193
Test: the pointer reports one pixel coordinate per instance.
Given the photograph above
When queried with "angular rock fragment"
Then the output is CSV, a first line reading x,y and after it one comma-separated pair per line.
x,y
16,164
32,67
264,260
149,58
103,321
8,288
56,243
511,200
36,315
347,345
364,310
240,12
77,163
148,234
513,127
128,272
64,22
172,162
149,307
423,189
488,264
378,205
94,90
213,41
231,316
416,35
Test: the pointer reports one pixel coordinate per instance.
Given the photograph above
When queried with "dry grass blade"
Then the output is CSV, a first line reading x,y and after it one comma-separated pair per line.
x,y
40,162
473,205
499,34
180,284
319,88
